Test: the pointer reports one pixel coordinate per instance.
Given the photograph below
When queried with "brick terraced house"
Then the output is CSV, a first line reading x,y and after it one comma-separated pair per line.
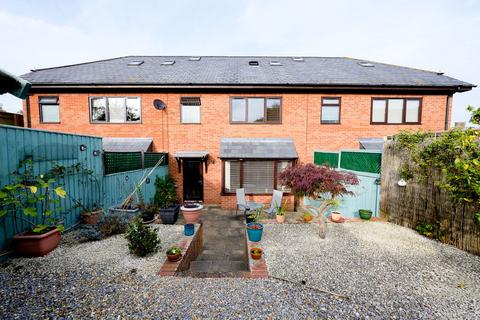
x,y
230,122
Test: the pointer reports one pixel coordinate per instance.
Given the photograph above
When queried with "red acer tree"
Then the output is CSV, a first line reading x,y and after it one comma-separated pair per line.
x,y
320,183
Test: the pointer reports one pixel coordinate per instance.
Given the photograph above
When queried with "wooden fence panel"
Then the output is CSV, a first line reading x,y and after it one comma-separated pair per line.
x,y
418,202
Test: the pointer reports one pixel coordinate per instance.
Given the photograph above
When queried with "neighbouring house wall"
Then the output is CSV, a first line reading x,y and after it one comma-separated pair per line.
x,y
11,119
300,121
417,202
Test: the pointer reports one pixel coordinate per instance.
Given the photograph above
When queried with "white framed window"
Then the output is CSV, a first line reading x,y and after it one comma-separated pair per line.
x,y
396,110
190,110
49,110
256,110
115,109
330,113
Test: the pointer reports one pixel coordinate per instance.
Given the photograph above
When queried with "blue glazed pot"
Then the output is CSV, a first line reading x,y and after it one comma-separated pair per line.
x,y
255,233
189,229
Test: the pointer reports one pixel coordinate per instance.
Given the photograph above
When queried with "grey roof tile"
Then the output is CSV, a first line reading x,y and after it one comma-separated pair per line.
x,y
258,148
235,70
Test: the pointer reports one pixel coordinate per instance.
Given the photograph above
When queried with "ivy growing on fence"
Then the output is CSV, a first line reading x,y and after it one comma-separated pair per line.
x,y
455,155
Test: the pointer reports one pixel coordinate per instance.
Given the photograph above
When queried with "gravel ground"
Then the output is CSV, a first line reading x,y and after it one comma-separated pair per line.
x,y
387,271
390,270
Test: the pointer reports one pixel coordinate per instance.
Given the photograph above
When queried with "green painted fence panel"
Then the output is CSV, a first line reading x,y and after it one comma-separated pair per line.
x,y
362,161
49,148
322,157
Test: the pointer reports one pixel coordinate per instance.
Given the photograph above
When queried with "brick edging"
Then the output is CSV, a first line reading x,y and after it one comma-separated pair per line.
x,y
191,247
257,268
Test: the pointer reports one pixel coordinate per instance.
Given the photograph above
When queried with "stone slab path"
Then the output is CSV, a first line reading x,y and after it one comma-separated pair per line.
x,y
224,251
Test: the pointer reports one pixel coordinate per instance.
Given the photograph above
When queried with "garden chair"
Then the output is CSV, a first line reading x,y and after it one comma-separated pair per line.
x,y
276,202
242,202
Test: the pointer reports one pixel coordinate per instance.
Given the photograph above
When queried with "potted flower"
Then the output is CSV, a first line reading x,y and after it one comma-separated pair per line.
x,y
280,212
174,254
365,214
35,196
91,216
253,215
165,199
307,217
256,253
254,231
192,212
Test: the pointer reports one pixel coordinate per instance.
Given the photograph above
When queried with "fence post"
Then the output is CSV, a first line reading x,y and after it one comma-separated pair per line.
x,y
143,159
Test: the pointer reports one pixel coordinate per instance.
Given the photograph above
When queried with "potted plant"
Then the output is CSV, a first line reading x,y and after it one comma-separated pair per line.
x,y
307,217
365,214
253,215
336,216
254,231
280,212
91,216
256,253
34,196
165,199
192,212
174,254
148,213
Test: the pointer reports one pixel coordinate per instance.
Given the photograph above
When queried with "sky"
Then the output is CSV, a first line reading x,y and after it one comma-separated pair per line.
x,y
436,35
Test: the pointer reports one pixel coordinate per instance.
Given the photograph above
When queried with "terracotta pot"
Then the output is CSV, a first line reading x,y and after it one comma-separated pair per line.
x,y
36,245
280,219
174,257
256,256
192,215
307,218
336,216
91,218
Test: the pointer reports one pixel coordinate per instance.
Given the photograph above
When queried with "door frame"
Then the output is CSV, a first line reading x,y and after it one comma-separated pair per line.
x,y
200,167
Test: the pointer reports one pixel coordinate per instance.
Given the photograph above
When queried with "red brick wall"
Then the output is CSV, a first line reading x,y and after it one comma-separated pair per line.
x,y
300,121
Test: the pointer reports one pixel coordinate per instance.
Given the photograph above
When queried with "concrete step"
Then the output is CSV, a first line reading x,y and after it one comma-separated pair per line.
x,y
214,255
217,266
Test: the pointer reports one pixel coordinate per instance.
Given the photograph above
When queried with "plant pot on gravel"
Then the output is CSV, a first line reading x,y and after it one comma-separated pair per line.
x,y
307,217
192,212
169,215
166,199
91,217
148,214
174,254
256,253
365,214
29,244
336,216
254,231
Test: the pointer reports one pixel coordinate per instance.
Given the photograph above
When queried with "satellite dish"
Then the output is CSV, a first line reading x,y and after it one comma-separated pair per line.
x,y
159,104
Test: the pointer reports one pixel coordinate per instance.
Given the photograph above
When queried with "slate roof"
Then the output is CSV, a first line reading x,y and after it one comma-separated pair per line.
x,y
191,154
236,70
126,144
260,148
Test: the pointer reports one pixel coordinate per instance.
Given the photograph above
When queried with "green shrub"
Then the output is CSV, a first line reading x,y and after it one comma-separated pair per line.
x,y
165,193
142,240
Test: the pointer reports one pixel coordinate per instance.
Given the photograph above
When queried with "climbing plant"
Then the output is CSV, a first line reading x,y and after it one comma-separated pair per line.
x,y
454,154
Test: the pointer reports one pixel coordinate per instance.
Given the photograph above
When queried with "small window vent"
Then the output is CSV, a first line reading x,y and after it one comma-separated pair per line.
x,y
440,73
366,64
135,63
298,59
253,63
168,62
275,63
190,101
194,58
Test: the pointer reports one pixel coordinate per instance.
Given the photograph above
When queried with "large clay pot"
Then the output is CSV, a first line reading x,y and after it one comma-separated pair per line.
x,y
91,218
336,216
36,245
192,212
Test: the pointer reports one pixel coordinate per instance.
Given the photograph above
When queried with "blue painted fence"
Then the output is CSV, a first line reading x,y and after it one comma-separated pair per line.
x,y
53,148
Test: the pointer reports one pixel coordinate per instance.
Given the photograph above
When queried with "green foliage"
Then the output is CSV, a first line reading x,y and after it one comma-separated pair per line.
x,y
475,118
280,210
165,194
113,224
425,229
31,194
256,214
454,155
173,250
476,218
142,240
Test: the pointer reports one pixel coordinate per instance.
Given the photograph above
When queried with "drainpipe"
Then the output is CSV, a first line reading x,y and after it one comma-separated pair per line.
x,y
27,110
447,109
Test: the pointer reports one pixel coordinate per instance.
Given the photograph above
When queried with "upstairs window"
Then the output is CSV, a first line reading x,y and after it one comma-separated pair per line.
x,y
256,110
190,110
115,109
396,111
49,110
330,113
